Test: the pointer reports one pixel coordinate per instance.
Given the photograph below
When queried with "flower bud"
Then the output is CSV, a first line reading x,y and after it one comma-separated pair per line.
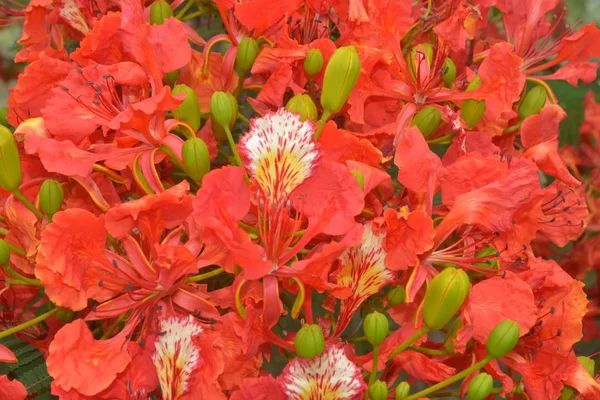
x,y
417,55
474,84
427,120
452,331
472,111
376,328
340,77
303,104
402,390
309,341
4,252
588,364
51,197
313,63
503,338
247,52
480,387
189,110
159,11
10,164
359,178
444,296
378,390
171,77
224,109
196,158
533,102
396,295
65,315
449,72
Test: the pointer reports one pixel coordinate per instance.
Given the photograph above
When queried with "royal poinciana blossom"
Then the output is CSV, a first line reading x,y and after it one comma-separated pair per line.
x,y
264,209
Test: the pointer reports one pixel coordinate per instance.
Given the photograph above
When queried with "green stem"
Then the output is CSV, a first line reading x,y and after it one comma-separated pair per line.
x,y
21,278
113,326
415,336
185,8
429,352
443,139
357,339
201,277
311,89
243,118
513,128
29,323
240,86
374,365
451,380
321,123
194,15
516,389
236,155
248,228
19,195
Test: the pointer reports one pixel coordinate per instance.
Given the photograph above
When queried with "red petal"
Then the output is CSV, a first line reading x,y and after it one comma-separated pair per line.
x,y
422,367
11,390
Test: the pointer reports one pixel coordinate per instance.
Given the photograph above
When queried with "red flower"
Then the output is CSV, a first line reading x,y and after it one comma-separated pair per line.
x,y
12,390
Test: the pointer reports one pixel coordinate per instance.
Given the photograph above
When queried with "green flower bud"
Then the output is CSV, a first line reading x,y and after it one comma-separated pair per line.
x,y
376,327
402,390
533,102
309,341
396,295
487,251
189,110
444,296
449,72
378,390
65,315
4,252
171,77
340,77
224,109
588,364
313,63
195,158
480,387
503,338
247,52
51,197
454,327
415,57
474,84
472,111
159,11
359,178
427,120
10,164
303,104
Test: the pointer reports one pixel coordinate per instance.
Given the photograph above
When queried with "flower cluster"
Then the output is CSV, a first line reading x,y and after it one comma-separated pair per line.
x,y
298,199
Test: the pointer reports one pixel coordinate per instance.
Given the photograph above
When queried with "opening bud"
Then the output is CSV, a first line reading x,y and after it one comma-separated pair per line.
x,y
303,104
503,338
396,295
10,164
376,328
196,158
422,53
341,74
378,390
189,110
51,197
402,390
159,11
247,52
359,178
472,111
449,72
4,252
533,102
224,109
309,341
313,63
480,387
444,297
427,120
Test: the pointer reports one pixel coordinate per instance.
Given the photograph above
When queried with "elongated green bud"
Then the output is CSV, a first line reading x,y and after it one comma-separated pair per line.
x,y
10,164
402,390
472,111
189,110
303,104
309,341
449,72
313,63
340,77
51,197
159,11
427,120
376,327
480,387
533,102
444,297
503,338
247,52
418,54
224,109
396,295
378,390
196,158
4,252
